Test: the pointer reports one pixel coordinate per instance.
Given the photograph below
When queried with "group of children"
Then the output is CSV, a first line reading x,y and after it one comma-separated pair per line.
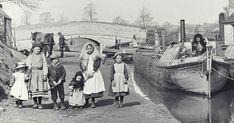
x,y
35,79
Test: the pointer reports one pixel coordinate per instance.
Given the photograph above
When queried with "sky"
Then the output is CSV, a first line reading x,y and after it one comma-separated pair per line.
x,y
193,11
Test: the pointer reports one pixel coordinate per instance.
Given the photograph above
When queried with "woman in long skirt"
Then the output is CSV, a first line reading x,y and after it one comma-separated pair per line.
x,y
94,86
37,65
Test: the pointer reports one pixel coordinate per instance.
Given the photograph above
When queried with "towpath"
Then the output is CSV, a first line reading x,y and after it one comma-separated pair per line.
x,y
136,108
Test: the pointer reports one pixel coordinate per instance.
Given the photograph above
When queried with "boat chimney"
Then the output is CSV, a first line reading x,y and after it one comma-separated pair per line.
x,y
163,34
221,26
182,31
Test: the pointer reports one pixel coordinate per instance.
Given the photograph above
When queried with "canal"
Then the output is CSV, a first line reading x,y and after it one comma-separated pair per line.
x,y
188,107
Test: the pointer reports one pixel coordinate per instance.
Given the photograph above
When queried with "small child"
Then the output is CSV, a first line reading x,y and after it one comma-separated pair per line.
x,y
56,75
77,99
19,89
119,78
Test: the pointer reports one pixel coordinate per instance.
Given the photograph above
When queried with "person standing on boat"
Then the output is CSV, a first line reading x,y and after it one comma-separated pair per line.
x,y
198,45
94,86
134,41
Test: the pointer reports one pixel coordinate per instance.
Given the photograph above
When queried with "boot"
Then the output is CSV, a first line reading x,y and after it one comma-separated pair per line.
x,y
20,104
35,103
55,105
39,103
87,102
93,103
121,102
62,104
116,104
16,103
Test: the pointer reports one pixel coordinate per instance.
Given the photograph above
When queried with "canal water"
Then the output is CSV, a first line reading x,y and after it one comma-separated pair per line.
x,y
188,107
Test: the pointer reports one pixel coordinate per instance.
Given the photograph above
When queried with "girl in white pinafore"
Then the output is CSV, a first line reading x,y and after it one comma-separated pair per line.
x,y
94,86
19,89
119,77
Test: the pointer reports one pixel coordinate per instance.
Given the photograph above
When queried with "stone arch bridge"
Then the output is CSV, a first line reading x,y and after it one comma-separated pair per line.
x,y
104,33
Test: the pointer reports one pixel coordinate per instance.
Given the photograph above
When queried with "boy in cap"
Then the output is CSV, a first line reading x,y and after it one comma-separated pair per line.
x,y
56,75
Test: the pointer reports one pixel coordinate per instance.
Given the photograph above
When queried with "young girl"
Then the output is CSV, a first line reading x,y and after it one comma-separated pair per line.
x,y
94,86
77,98
37,65
19,89
119,78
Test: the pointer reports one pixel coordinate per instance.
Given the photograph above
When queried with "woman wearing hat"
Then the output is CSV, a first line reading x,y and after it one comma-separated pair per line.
x,y
37,65
19,89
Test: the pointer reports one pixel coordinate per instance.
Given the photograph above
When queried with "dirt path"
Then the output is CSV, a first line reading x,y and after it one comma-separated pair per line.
x,y
136,108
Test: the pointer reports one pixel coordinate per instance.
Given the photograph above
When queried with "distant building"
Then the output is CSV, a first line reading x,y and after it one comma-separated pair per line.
x,y
6,33
229,25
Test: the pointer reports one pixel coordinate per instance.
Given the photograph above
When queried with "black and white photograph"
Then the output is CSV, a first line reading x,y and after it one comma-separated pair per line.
x,y
116,61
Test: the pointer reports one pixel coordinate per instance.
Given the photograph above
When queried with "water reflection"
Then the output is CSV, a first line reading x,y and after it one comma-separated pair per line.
x,y
187,107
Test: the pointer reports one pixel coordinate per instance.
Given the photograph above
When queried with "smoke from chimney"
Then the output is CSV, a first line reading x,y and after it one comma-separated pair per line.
x,y
231,6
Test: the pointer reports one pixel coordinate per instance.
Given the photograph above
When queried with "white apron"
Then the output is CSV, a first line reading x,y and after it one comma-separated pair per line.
x,y
19,89
96,83
119,79
77,98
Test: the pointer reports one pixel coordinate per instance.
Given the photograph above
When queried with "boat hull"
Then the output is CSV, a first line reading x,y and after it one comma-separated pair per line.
x,y
187,76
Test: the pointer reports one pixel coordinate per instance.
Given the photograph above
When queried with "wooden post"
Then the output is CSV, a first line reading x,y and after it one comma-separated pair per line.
x,y
163,33
209,111
209,67
14,39
209,58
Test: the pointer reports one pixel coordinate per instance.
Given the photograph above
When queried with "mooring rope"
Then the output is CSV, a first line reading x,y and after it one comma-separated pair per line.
x,y
222,74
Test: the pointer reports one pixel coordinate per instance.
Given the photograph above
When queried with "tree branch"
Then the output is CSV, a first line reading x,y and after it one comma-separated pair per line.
x,y
30,4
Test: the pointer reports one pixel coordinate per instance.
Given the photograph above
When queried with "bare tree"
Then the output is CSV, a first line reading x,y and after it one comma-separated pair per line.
x,y
197,29
46,17
31,4
145,19
119,20
62,18
209,27
26,17
90,12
